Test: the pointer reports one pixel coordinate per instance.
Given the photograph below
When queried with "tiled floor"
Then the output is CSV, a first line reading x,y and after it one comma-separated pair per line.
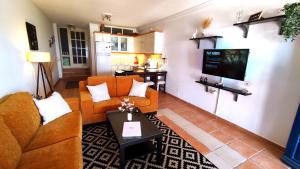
x,y
260,154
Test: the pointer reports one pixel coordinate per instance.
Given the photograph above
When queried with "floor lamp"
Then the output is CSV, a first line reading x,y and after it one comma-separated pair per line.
x,y
40,58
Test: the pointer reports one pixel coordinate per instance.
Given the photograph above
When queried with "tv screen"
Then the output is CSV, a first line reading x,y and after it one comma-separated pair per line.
x,y
229,63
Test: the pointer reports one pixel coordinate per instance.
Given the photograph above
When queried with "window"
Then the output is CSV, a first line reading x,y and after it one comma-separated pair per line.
x,y
78,43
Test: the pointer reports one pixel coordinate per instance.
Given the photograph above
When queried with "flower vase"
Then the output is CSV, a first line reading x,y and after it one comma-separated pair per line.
x,y
204,32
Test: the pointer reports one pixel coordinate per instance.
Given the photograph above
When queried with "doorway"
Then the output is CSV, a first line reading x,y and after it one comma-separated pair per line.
x,y
73,47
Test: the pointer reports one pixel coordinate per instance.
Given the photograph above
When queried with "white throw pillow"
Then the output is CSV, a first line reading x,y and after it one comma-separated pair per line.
x,y
138,89
52,107
99,92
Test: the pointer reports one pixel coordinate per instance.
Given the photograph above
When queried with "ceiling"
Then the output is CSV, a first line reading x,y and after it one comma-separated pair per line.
x,y
130,13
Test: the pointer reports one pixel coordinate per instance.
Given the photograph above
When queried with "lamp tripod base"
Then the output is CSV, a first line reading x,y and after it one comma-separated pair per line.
x,y
41,69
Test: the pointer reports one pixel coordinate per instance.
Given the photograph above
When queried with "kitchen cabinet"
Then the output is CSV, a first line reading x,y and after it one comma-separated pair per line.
x,y
122,43
149,43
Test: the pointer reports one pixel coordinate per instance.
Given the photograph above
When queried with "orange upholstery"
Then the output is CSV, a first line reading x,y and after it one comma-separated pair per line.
x,y
153,96
73,103
124,84
21,116
62,155
82,85
103,106
110,81
95,112
9,147
24,143
56,130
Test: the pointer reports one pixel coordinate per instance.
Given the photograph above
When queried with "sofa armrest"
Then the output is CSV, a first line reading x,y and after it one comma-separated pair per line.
x,y
73,103
82,85
86,102
153,96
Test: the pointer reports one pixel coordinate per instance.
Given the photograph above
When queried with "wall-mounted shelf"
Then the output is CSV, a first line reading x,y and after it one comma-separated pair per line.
x,y
236,92
211,38
245,25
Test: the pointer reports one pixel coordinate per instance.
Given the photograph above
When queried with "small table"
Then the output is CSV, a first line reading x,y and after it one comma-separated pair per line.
x,y
137,146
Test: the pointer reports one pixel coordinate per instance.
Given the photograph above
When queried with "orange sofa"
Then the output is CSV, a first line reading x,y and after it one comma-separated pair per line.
x,y
26,144
118,88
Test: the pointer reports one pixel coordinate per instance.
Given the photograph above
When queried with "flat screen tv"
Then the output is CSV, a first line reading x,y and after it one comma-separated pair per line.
x,y
229,63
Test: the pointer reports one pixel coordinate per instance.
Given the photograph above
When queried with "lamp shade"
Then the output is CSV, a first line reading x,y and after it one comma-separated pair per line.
x,y
38,57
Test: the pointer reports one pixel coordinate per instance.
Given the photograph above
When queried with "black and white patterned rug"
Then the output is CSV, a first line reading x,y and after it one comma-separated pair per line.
x,y
101,151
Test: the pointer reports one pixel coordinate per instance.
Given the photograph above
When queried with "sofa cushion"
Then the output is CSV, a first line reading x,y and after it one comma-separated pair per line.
x,y
65,127
62,155
110,81
9,148
103,106
52,107
138,101
124,84
21,116
99,92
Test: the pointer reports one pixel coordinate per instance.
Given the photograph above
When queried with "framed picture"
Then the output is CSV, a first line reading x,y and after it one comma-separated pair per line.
x,y
256,16
32,37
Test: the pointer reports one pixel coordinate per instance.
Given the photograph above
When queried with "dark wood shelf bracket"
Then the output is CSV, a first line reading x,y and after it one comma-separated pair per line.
x,y
245,28
213,39
245,25
235,92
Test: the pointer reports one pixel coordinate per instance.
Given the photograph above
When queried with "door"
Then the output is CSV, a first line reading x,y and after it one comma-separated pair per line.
x,y
292,152
74,48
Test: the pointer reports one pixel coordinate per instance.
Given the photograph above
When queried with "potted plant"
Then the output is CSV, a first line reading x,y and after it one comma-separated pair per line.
x,y
291,23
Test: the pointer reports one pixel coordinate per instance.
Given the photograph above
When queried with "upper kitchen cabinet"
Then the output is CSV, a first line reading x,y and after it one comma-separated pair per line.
x,y
119,43
122,43
148,43
102,37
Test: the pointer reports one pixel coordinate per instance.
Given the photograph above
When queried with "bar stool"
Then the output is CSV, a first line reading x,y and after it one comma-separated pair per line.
x,y
160,82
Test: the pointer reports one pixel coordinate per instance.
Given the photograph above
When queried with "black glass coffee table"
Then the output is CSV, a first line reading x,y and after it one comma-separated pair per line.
x,y
137,146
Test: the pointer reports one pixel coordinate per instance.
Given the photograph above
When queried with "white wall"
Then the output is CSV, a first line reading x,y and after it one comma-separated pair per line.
x,y
273,70
15,72
93,27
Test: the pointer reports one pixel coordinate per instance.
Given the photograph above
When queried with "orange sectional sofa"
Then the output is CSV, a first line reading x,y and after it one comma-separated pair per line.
x,y
118,88
26,144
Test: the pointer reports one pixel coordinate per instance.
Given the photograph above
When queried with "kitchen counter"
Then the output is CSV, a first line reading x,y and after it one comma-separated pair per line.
x,y
153,75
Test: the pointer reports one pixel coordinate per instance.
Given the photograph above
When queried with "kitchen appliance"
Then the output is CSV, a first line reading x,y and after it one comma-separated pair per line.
x,y
103,54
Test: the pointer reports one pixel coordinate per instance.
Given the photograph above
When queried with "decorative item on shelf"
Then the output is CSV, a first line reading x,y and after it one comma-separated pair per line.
x,y
102,27
136,61
291,23
40,58
205,25
128,107
195,34
239,16
256,16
